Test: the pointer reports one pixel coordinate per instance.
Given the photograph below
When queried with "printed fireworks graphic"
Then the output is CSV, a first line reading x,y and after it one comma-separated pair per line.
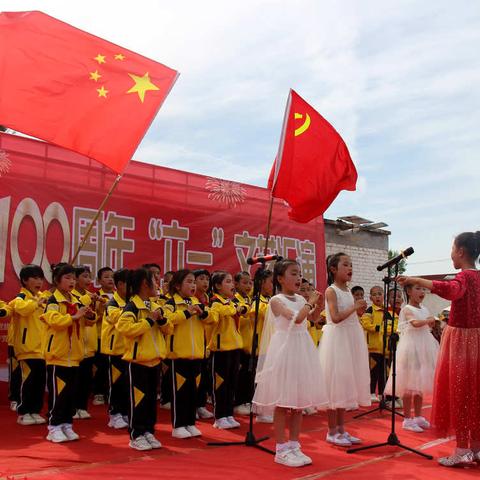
x,y
5,163
225,191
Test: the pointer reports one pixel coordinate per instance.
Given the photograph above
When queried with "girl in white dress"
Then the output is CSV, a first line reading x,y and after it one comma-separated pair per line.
x,y
343,351
288,364
416,358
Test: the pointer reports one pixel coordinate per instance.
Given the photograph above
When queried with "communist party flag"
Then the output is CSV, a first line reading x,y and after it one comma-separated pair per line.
x,y
76,90
313,164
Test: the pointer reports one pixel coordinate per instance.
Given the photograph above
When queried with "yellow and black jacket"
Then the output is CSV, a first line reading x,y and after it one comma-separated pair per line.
x,y
245,322
6,312
262,312
188,338
161,299
113,342
372,323
64,343
225,334
144,338
28,329
100,310
90,339
314,332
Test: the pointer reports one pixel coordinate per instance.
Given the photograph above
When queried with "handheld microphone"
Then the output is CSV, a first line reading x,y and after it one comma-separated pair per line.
x,y
393,261
263,259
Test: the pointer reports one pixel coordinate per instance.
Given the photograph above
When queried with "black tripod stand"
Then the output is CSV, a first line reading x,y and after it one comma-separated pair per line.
x,y
387,319
392,437
250,439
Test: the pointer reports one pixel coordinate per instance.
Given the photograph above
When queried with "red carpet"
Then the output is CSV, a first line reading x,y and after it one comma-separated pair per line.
x,y
104,454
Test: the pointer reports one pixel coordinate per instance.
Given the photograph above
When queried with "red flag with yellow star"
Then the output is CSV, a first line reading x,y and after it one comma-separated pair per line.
x,y
76,90
313,163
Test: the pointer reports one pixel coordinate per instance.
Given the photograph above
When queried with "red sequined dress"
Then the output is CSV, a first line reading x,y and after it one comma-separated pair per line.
x,y
456,396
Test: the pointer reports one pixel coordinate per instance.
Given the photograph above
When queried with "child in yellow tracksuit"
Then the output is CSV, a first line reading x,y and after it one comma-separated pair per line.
x,y
143,326
113,345
28,334
226,346
202,284
372,323
100,378
63,351
244,393
306,288
186,350
83,280
14,372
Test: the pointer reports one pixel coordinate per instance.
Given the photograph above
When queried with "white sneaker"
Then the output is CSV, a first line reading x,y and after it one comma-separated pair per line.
x,y
233,422
339,439
140,443
56,435
98,400
125,418
242,409
374,398
39,420
13,406
288,458
181,432
116,421
422,422
166,406
26,419
264,419
410,425
202,412
309,411
353,440
299,454
69,433
222,424
81,415
154,442
194,431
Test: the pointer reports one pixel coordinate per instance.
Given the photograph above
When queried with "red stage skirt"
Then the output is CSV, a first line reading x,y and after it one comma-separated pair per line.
x,y
456,396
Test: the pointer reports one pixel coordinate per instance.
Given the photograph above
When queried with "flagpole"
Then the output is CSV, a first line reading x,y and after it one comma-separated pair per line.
x,y
95,218
267,235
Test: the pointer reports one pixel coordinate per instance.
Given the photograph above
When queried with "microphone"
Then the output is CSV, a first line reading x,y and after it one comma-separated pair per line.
x,y
393,261
263,259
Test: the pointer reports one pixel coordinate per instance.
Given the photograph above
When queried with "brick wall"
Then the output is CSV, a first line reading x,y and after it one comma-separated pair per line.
x,y
368,248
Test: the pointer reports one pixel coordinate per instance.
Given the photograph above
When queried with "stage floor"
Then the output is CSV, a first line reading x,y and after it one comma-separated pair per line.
x,y
103,453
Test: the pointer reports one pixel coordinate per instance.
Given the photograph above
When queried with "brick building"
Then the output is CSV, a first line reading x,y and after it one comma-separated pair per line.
x,y
366,244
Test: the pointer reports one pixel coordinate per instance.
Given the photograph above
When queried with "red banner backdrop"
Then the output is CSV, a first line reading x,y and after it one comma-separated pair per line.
x,y
176,219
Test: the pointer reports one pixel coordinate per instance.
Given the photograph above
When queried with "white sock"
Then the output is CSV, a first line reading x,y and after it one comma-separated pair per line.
x,y
462,451
281,447
293,444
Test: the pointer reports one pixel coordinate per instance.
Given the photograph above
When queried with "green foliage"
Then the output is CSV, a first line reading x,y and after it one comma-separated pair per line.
x,y
402,265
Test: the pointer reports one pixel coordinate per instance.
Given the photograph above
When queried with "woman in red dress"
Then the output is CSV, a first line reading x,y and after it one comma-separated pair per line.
x,y
456,396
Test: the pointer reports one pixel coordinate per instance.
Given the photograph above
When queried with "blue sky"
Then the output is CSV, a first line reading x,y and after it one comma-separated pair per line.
x,y
399,80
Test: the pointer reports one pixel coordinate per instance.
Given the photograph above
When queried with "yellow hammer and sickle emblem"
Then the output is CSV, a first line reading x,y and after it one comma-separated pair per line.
x,y
305,125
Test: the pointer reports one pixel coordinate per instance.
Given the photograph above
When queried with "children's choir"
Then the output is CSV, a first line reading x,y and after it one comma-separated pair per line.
x,y
188,339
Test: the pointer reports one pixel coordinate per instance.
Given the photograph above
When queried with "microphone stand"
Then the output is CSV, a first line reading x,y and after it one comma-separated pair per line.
x,y
392,437
250,439
382,405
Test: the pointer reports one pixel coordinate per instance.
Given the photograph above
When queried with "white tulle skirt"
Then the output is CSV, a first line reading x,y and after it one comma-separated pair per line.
x,y
291,375
343,353
417,353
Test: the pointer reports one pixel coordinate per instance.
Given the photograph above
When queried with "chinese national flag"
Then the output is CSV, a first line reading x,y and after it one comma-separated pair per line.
x,y
76,90
313,164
